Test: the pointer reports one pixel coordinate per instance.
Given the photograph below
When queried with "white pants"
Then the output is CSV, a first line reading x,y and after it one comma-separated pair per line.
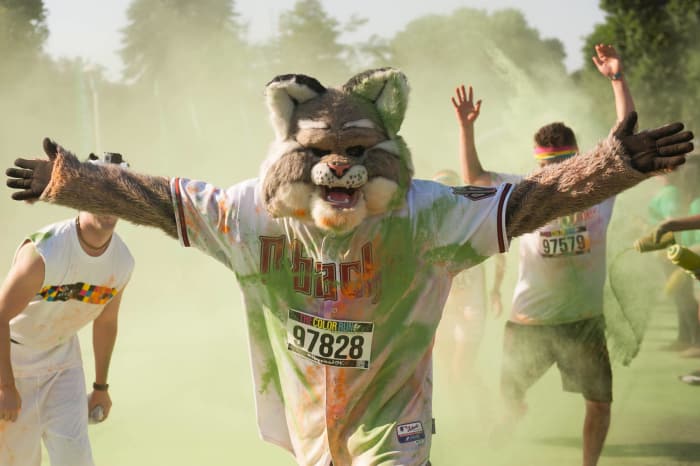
x,y
54,408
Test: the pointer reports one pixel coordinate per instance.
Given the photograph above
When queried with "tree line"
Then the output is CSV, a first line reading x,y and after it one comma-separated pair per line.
x,y
193,84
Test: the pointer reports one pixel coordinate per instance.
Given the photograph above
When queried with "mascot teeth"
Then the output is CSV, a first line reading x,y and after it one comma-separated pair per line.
x,y
341,198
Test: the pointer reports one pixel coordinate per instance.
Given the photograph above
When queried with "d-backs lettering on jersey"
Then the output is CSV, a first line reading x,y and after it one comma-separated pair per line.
x,y
354,279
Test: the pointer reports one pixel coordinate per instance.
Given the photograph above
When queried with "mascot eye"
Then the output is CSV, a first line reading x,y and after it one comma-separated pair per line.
x,y
319,152
355,151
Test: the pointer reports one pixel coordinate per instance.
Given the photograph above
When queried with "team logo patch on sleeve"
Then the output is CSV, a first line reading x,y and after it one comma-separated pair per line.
x,y
475,193
411,432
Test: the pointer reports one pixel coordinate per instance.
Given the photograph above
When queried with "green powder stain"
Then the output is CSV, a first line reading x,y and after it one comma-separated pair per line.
x,y
406,255
40,236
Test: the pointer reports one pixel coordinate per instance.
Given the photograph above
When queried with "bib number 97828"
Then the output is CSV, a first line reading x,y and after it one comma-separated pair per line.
x,y
339,343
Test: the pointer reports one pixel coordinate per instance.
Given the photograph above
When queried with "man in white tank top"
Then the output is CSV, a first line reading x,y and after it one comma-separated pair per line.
x,y
63,277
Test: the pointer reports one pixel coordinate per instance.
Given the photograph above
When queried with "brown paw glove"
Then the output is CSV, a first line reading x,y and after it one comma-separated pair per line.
x,y
654,150
31,176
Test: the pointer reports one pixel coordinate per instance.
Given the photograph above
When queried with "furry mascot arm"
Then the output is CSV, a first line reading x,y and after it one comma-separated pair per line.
x,y
620,162
100,189
616,164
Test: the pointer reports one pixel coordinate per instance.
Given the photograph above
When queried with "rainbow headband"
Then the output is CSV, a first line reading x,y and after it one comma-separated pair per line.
x,y
547,153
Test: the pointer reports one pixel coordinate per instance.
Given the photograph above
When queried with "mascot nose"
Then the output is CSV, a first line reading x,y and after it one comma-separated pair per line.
x,y
338,168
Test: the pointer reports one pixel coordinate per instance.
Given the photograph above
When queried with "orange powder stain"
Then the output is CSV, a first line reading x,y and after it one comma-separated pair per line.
x,y
341,385
192,214
337,399
221,225
299,213
309,399
341,306
313,377
331,222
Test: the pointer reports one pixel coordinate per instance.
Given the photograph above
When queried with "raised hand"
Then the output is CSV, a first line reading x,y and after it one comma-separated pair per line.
x,y
654,150
467,111
607,60
31,176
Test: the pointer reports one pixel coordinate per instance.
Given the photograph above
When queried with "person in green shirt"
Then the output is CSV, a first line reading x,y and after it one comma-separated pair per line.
x,y
680,196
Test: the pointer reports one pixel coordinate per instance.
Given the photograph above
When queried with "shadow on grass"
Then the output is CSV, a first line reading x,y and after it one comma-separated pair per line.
x,y
682,451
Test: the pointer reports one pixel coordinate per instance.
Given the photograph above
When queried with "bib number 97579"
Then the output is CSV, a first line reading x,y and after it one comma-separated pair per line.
x,y
558,243
331,342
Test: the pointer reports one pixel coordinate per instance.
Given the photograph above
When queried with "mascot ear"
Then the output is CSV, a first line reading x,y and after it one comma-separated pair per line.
x,y
284,93
388,89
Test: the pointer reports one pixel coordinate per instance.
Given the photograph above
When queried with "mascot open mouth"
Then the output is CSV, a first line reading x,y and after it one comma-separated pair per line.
x,y
341,198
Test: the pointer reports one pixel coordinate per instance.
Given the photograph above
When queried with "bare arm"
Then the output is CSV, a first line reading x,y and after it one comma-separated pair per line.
x,y
609,65
679,224
21,284
467,113
104,336
473,173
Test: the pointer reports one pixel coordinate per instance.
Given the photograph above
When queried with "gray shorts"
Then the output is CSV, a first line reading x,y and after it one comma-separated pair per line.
x,y
578,349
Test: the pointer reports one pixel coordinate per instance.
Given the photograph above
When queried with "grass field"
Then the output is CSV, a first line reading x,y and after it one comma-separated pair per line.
x,y
182,391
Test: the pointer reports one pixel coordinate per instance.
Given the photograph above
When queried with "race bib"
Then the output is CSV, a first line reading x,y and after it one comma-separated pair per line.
x,y
339,343
567,242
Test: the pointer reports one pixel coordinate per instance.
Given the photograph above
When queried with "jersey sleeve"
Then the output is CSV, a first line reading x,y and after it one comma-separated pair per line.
x,y
208,217
463,225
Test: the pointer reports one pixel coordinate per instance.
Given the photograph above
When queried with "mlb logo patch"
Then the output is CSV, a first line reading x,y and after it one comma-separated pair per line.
x,y
411,432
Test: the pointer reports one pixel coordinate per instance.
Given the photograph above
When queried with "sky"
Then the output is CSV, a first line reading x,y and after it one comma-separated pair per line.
x,y
91,28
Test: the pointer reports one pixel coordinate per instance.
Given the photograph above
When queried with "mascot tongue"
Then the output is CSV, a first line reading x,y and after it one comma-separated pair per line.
x,y
341,197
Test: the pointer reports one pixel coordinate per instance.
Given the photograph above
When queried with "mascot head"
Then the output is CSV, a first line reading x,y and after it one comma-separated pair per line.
x,y
337,158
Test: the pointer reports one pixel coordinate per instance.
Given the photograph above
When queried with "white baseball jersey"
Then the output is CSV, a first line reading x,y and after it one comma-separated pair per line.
x,y
341,327
76,288
562,268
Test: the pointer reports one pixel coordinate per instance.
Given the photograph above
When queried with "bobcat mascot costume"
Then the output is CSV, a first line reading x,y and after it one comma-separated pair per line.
x,y
344,260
